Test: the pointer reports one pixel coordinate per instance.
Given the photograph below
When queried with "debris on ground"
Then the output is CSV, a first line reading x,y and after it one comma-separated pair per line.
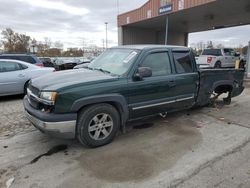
x,y
9,182
200,125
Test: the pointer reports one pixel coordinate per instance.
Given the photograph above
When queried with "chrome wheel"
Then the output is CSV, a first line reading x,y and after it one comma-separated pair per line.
x,y
100,126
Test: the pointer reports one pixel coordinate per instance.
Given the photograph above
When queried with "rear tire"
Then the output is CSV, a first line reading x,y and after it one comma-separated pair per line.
x,y
217,65
97,125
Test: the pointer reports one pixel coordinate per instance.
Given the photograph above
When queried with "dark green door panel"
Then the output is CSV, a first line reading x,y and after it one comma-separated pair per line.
x,y
151,95
187,87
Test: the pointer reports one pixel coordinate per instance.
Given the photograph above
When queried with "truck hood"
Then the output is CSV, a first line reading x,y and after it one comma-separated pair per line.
x,y
57,80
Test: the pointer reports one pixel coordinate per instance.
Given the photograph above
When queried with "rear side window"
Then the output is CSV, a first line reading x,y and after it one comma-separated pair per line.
x,y
159,63
9,66
183,61
229,52
27,59
9,57
213,52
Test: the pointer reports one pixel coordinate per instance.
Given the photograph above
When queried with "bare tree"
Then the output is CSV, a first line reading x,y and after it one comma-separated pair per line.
x,y
9,40
210,44
219,46
59,45
15,42
47,43
23,43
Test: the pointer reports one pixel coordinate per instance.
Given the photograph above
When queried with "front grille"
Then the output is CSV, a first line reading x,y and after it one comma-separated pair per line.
x,y
34,90
33,102
33,96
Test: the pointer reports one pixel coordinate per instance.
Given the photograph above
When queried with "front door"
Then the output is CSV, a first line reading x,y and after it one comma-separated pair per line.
x,y
11,78
154,94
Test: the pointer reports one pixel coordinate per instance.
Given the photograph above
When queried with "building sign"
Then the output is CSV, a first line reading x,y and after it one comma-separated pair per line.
x,y
181,4
128,20
165,6
149,13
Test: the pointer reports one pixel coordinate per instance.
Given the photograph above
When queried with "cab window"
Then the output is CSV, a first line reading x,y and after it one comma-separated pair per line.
x,y
183,61
159,63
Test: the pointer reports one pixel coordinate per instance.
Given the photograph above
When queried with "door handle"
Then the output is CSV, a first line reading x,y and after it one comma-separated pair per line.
x,y
171,83
21,75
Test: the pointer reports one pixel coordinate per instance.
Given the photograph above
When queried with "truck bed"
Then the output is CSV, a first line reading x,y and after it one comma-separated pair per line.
x,y
219,81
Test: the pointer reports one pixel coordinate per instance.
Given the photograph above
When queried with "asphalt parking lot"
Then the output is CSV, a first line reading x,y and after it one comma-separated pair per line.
x,y
205,147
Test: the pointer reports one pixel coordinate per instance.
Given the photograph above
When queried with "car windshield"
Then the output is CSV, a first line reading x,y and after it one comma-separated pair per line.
x,y
114,61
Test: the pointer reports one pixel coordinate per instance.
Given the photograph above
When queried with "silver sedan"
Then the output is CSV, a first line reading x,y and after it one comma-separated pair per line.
x,y
15,75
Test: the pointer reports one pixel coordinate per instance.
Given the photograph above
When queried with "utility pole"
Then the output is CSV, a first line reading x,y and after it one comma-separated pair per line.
x,y
106,23
103,44
166,34
248,61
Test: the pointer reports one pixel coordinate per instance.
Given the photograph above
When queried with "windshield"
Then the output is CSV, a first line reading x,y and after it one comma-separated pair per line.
x,y
115,61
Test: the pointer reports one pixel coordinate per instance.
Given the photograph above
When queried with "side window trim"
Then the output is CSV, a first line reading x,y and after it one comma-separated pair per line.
x,y
154,52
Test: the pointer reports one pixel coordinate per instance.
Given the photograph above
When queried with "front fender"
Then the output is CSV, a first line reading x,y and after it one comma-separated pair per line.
x,y
117,99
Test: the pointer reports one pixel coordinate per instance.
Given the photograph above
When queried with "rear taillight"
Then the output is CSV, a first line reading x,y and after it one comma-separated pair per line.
x,y
209,60
40,65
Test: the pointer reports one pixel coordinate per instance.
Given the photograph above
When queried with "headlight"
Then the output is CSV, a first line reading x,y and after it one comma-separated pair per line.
x,y
49,96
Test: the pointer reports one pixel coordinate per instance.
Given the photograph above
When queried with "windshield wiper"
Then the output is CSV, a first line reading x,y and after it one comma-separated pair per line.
x,y
100,69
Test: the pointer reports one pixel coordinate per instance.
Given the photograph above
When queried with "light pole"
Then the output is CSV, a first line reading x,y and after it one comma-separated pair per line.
x,y
248,61
106,23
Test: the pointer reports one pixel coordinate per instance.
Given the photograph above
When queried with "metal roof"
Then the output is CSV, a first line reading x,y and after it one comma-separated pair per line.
x,y
150,46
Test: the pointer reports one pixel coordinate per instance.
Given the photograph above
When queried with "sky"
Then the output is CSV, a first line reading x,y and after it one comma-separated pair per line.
x,y
81,22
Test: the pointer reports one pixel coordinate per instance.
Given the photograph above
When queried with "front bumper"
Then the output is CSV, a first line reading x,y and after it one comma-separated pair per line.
x,y
56,125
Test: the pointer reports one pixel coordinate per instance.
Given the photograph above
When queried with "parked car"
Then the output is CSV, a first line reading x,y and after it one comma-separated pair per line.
x,y
124,84
66,63
81,66
47,62
84,60
217,58
15,75
29,58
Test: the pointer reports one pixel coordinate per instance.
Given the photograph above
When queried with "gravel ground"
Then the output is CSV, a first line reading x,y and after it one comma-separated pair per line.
x,y
12,119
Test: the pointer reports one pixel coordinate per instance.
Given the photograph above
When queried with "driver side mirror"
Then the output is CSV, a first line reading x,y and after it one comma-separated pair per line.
x,y
143,72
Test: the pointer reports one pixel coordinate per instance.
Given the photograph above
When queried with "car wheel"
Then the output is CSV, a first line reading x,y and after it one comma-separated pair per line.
x,y
97,125
242,64
217,65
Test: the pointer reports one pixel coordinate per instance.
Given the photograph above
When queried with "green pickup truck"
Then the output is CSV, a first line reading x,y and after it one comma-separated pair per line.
x,y
123,84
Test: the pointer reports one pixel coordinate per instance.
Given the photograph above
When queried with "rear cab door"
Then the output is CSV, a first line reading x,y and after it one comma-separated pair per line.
x,y
186,78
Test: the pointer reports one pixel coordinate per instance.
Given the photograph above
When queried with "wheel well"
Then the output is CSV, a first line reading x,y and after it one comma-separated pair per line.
x,y
24,87
116,105
218,62
223,89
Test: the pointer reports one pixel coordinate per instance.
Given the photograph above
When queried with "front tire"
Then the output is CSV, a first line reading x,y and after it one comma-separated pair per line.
x,y
97,125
